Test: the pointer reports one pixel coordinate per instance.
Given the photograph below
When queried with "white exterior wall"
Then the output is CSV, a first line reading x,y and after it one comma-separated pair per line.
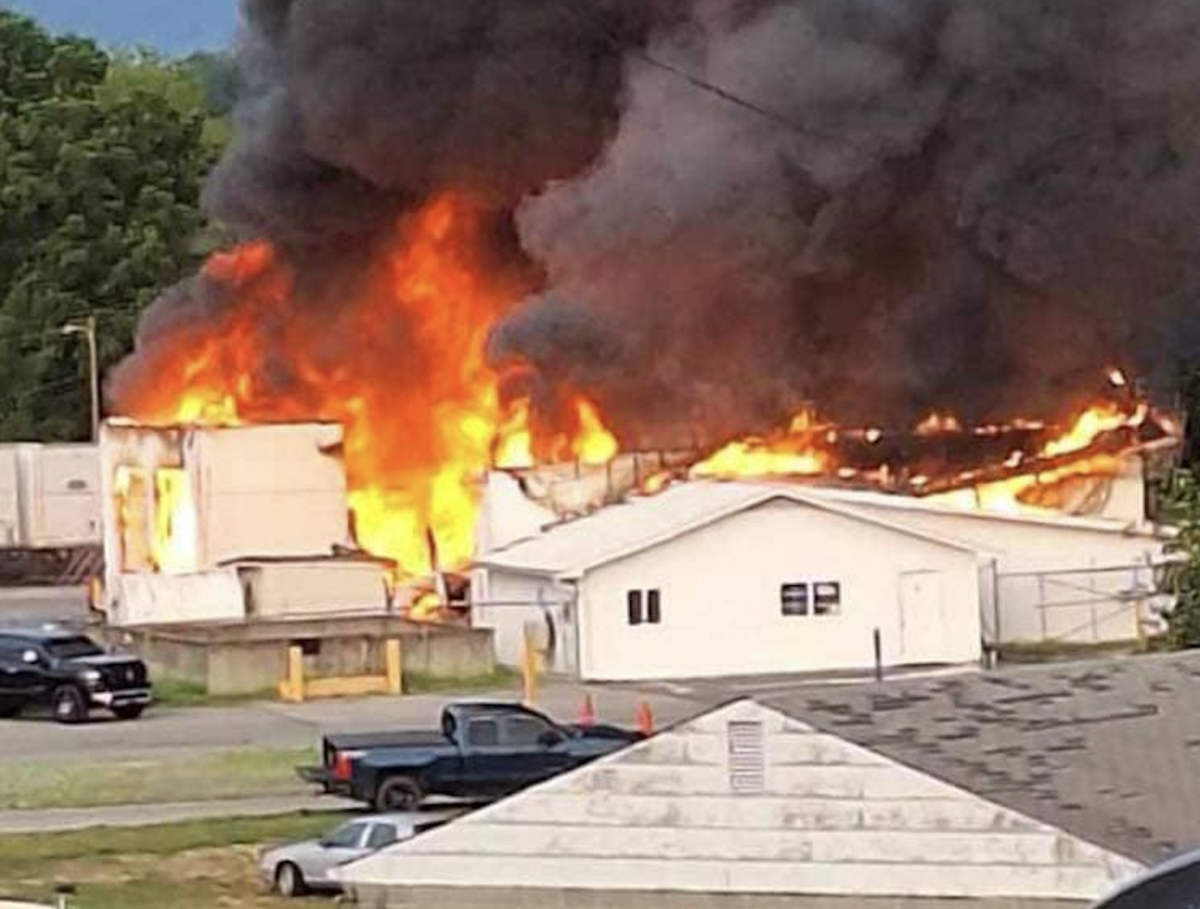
x,y
826,818
10,497
721,611
508,601
1084,606
308,589
49,495
161,599
268,491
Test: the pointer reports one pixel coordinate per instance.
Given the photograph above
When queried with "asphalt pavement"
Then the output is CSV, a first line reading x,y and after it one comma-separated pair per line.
x,y
189,730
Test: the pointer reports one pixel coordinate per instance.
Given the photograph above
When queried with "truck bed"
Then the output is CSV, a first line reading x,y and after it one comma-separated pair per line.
x,y
416,738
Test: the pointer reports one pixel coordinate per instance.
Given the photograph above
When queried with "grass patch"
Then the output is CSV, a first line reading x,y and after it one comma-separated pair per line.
x,y
171,692
240,773
500,679
192,865
1050,651
22,854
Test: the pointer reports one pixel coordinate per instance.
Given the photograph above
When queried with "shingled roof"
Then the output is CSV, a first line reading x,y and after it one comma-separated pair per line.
x,y
1107,750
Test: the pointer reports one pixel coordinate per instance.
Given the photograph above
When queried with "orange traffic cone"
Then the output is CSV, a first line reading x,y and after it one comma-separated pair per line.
x,y
645,719
587,713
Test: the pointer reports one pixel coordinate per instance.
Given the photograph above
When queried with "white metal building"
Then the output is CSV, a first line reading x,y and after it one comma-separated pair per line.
x,y
740,801
49,495
711,578
1046,577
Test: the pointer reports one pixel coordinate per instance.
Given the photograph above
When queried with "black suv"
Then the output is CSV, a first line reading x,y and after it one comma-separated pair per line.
x,y
70,674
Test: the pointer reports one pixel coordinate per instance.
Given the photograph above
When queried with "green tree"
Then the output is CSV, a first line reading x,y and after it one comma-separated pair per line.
x,y
101,163
1181,506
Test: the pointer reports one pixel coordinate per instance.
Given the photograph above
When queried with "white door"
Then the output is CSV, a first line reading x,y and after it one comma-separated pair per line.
x,y
922,625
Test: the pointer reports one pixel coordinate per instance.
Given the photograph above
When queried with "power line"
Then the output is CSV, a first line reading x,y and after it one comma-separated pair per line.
x,y
700,83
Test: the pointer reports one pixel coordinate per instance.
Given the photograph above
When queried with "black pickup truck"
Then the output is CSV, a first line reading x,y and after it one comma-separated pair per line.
x,y
483,750
69,673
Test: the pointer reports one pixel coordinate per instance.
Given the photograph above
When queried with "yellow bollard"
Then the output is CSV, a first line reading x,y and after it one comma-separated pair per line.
x,y
530,667
395,666
292,688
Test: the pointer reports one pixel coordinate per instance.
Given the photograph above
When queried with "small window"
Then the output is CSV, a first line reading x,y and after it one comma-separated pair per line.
x,y
793,599
827,598
633,600
381,835
483,733
525,731
653,607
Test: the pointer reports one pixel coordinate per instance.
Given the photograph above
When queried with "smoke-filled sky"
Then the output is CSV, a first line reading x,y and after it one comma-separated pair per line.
x,y
906,205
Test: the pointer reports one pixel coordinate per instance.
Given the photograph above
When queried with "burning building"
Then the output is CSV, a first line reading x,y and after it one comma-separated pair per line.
x,y
228,524
535,235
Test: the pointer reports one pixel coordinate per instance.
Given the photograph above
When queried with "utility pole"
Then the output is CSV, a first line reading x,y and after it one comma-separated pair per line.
x,y
87,328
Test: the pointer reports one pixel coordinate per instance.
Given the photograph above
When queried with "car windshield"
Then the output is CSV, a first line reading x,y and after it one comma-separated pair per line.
x,y
346,837
72,648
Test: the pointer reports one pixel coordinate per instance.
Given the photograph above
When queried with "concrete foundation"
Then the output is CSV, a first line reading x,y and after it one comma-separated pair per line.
x,y
246,658
487,898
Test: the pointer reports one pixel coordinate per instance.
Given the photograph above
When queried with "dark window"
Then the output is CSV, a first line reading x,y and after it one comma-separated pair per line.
x,y
483,733
793,599
525,731
827,598
381,835
347,836
653,607
634,601
72,648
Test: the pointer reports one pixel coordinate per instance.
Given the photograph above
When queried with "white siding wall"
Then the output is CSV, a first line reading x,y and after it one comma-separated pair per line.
x,y
823,816
160,599
10,501
62,494
507,601
721,612
1086,606
49,495
268,491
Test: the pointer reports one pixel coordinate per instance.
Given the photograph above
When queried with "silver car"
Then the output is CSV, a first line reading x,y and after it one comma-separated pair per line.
x,y
303,867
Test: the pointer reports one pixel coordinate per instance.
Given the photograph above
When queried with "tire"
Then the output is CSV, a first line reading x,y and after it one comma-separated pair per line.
x,y
289,882
129,711
69,705
9,710
399,793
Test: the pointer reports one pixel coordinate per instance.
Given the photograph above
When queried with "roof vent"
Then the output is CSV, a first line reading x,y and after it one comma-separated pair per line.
x,y
747,760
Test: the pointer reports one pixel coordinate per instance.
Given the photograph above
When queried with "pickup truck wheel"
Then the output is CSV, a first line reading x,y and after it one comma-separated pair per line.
x,y
400,793
9,709
129,711
289,882
70,706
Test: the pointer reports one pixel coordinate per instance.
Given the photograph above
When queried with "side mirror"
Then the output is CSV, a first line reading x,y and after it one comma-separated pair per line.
x,y
30,658
550,738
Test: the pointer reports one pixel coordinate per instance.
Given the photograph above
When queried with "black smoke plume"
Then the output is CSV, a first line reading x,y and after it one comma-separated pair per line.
x,y
882,207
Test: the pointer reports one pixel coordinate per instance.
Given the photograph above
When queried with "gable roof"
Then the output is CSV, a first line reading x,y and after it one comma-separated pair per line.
x,y
800,812
620,530
1108,749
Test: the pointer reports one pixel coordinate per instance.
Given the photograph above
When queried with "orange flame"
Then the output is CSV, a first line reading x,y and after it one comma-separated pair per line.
x,y
175,543
794,453
420,406
937,423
